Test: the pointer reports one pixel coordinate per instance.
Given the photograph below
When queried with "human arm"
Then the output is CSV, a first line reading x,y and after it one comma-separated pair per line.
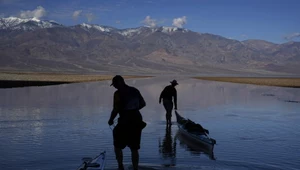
x,y
161,96
142,102
115,111
175,99
112,117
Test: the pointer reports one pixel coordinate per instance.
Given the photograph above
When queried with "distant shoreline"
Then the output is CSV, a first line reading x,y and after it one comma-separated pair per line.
x,y
267,81
13,80
21,79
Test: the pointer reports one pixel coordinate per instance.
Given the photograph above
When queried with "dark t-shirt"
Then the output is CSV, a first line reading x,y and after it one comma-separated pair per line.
x,y
128,102
168,93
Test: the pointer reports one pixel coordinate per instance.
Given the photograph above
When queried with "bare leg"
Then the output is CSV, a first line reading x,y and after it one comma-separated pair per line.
x,y
168,117
119,157
135,159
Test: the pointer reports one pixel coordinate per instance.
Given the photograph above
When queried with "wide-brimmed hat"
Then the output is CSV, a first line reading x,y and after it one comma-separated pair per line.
x,y
116,79
174,82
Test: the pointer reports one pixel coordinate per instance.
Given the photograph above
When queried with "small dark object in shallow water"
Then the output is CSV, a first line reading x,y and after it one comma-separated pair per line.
x,y
268,94
292,101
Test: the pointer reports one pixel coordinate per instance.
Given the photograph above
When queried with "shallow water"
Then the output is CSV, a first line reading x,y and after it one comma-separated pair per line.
x,y
53,127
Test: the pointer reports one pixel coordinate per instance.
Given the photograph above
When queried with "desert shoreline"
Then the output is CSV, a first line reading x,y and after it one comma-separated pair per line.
x,y
291,82
13,80
24,79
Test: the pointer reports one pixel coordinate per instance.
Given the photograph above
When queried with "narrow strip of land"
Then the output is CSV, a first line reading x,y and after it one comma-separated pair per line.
x,y
10,80
267,81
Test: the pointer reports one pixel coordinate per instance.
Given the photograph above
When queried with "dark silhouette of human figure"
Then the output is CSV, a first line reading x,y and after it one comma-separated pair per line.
x,y
127,102
169,97
168,147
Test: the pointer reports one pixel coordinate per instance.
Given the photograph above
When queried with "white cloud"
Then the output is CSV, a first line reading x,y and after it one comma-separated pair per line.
x,y
76,14
90,17
292,36
37,13
148,21
179,22
118,22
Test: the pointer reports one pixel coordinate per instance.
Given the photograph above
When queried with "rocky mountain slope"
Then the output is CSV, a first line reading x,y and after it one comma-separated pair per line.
x,y
35,45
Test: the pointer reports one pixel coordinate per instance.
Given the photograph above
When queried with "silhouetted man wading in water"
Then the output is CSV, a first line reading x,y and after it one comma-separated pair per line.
x,y
169,96
127,103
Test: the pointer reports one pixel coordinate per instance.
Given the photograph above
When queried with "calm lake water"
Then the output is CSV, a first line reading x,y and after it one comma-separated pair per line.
x,y
53,127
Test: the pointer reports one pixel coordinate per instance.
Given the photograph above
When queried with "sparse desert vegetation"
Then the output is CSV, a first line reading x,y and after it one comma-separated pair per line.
x,y
8,80
267,81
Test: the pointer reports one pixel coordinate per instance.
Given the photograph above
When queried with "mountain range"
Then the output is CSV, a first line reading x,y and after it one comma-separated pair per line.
x,y
47,46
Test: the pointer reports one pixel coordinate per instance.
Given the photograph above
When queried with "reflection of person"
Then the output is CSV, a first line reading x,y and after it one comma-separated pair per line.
x,y
127,103
168,147
169,96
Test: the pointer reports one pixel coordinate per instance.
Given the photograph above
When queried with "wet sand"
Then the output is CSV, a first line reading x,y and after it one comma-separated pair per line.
x,y
267,81
11,80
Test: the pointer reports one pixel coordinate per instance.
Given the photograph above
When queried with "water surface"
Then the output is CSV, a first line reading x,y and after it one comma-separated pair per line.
x,y
53,127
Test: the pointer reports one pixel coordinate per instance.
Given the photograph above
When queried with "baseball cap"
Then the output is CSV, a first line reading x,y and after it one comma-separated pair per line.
x,y
116,79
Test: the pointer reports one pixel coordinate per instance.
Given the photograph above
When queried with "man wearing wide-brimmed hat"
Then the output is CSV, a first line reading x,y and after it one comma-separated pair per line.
x,y
169,96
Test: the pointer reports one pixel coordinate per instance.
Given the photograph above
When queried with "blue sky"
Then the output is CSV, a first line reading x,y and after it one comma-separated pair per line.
x,y
276,21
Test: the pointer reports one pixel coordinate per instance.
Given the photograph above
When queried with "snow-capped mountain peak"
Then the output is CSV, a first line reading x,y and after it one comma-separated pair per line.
x,y
173,29
149,30
11,21
35,19
130,31
14,23
97,27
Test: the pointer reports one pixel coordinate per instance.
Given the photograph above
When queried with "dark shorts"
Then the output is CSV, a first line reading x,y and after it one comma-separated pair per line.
x,y
168,104
127,135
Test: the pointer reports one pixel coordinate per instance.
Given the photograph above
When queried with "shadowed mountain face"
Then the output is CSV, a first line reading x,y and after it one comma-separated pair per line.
x,y
47,46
